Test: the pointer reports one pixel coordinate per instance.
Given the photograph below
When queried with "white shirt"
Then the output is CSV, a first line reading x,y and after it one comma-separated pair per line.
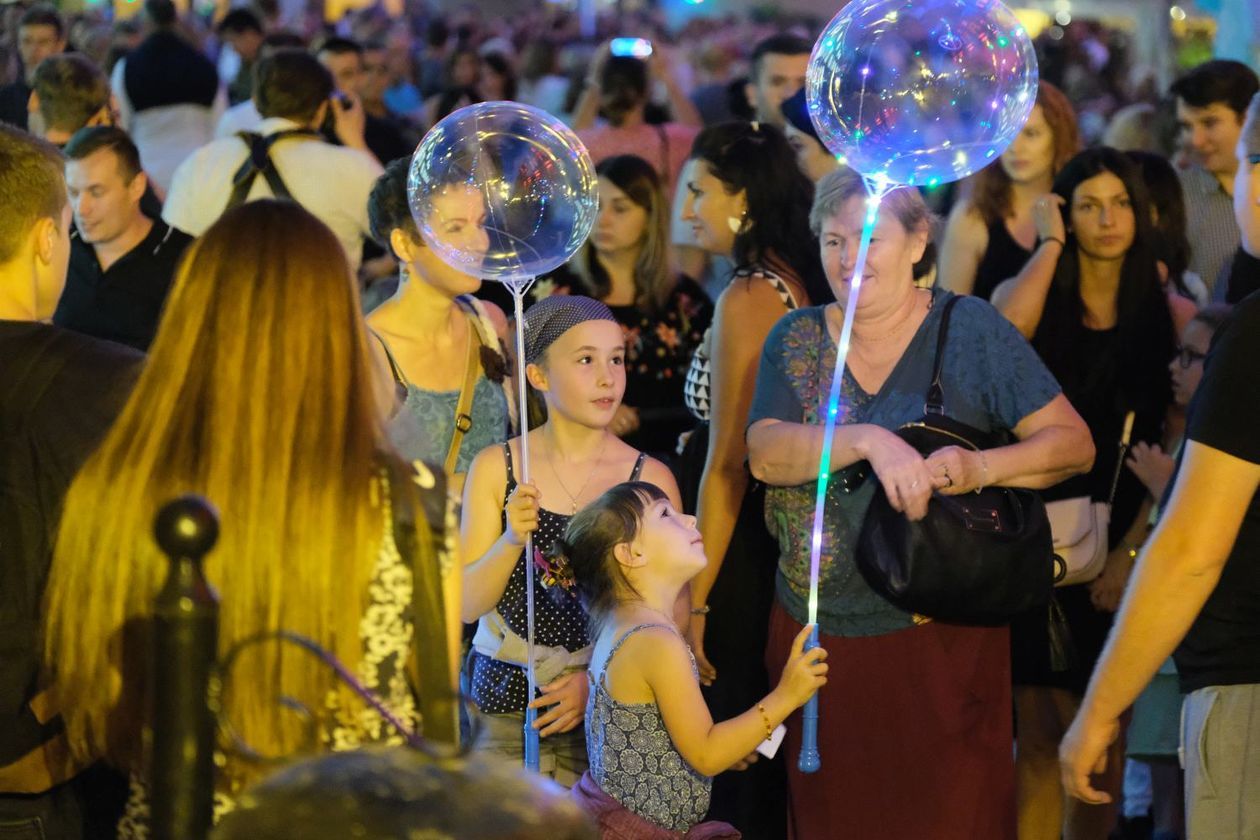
x,y
332,182
165,135
243,116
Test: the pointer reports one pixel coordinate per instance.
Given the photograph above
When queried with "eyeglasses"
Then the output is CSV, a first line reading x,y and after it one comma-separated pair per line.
x,y
1186,357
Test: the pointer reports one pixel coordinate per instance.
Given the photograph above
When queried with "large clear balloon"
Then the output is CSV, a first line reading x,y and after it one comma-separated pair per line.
x,y
502,191
922,91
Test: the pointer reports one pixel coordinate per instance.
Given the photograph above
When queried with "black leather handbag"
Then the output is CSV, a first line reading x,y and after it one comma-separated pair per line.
x,y
978,558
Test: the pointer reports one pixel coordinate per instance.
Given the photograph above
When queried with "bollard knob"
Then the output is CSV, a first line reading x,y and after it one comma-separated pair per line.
x,y
187,526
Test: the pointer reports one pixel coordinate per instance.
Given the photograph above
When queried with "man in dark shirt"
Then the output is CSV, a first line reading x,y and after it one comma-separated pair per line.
x,y
59,391
344,60
41,33
122,261
243,32
1196,588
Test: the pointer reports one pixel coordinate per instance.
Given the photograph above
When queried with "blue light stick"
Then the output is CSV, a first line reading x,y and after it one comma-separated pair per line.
x,y
809,760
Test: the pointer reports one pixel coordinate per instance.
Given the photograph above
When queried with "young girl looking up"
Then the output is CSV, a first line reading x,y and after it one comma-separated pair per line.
x,y
632,553
575,356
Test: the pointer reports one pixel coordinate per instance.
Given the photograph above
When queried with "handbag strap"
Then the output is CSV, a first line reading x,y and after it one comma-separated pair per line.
x,y
936,394
463,416
1125,436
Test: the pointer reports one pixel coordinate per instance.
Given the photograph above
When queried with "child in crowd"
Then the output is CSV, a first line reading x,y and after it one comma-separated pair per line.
x,y
575,359
652,744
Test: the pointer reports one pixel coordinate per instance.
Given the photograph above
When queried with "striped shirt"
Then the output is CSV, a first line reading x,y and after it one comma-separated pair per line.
x,y
1210,226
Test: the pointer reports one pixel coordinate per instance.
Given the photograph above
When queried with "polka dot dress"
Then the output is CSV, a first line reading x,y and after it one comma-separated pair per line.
x,y
559,620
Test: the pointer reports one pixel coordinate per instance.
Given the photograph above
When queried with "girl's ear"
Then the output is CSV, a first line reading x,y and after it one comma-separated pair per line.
x,y
627,556
536,376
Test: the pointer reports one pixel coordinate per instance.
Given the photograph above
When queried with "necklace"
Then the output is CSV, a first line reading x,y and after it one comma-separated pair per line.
x,y
573,497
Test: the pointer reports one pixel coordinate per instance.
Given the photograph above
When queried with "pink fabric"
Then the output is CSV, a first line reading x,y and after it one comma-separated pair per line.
x,y
667,158
616,822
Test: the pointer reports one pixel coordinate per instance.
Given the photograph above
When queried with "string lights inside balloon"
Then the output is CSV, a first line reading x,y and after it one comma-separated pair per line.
x,y
912,93
507,193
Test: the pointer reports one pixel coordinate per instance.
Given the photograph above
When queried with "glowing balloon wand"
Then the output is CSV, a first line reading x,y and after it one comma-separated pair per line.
x,y
809,760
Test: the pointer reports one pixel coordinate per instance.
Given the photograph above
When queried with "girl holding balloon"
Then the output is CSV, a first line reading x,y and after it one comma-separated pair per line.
x,y
633,553
575,353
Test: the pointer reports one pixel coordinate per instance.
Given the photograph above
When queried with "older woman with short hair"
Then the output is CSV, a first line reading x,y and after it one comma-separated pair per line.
x,y
919,711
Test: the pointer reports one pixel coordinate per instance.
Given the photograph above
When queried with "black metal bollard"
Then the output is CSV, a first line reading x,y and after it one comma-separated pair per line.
x,y
185,648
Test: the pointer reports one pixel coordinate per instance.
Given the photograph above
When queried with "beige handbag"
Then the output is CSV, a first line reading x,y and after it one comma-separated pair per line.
x,y
1079,526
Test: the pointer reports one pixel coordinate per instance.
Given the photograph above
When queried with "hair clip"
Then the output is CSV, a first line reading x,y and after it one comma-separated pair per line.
x,y
555,570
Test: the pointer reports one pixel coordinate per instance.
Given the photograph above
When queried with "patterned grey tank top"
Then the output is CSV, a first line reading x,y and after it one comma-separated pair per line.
x,y
634,761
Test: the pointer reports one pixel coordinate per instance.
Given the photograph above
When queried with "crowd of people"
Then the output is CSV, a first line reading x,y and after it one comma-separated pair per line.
x,y
212,281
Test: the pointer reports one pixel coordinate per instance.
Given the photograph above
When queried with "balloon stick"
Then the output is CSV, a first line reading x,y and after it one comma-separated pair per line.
x,y
518,289
809,760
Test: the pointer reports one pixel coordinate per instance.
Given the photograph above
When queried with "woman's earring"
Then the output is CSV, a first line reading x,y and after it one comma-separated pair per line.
x,y
737,226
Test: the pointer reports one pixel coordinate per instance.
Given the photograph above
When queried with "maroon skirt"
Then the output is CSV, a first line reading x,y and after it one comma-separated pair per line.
x,y
914,732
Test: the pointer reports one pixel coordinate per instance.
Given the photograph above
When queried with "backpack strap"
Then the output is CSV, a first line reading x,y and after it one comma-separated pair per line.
x,y
259,162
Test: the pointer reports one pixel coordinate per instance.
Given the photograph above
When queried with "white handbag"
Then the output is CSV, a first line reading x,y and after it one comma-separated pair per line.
x,y
1078,526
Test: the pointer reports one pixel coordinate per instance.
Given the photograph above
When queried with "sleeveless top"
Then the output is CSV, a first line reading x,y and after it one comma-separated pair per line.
x,y
422,428
1002,260
559,620
386,631
698,388
633,760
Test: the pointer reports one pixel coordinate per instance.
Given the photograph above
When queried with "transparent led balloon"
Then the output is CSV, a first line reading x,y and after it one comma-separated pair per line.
x,y
921,92
502,191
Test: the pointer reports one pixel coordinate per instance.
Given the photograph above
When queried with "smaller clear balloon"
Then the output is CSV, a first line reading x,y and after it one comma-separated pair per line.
x,y
502,191
921,92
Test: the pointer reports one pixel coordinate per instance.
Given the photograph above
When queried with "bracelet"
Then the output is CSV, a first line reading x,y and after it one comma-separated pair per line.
x,y
984,466
701,610
765,719
1046,239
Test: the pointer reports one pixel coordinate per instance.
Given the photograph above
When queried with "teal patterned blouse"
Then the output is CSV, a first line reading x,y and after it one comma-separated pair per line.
x,y
992,379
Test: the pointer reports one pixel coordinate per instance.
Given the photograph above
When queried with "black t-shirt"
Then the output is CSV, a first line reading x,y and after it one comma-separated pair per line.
x,y
124,303
59,393
13,100
1223,645
1244,277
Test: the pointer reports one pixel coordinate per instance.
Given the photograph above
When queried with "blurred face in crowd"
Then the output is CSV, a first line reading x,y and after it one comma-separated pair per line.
x,y
890,260
458,221
811,156
712,212
1102,218
621,224
346,69
36,42
1210,135
105,202
1030,157
1187,366
375,75
247,43
779,78
466,70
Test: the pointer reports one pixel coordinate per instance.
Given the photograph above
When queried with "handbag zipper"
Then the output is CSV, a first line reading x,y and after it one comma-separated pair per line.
x,y
959,438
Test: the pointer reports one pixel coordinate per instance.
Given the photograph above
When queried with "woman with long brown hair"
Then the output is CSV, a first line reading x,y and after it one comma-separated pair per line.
x,y
260,393
990,233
